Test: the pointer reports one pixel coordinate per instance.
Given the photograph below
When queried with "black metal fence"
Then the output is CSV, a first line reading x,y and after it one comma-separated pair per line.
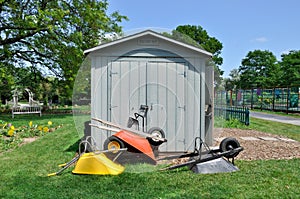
x,y
239,113
275,99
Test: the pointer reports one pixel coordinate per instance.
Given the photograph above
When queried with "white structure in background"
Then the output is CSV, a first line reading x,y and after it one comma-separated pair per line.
x,y
33,107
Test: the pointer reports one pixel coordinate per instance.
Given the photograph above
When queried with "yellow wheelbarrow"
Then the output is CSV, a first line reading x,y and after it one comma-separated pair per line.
x,y
92,162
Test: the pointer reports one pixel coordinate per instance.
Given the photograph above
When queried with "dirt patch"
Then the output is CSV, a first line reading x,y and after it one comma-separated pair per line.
x,y
29,140
262,147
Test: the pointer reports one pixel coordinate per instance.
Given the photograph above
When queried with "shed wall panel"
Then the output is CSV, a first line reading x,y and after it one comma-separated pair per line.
x,y
99,97
193,106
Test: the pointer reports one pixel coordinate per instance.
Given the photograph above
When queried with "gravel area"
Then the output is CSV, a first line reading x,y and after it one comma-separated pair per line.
x,y
260,146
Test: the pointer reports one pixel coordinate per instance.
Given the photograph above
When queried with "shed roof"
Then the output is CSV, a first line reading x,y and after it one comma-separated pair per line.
x,y
145,33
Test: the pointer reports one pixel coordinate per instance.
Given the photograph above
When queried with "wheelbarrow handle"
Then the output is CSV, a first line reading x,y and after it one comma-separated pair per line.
x,y
118,128
179,165
196,161
66,166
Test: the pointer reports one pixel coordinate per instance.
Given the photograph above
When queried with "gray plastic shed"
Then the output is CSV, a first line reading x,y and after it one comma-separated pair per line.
x,y
172,78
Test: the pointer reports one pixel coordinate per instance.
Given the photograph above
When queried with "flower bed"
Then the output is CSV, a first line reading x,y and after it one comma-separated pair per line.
x,y
12,136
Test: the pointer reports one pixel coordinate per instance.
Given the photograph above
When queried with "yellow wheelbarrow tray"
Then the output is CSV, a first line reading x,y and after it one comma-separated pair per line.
x,y
94,162
97,164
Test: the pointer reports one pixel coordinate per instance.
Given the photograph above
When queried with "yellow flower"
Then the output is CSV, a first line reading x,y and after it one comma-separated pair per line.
x,y
45,129
30,124
12,127
49,123
40,128
10,132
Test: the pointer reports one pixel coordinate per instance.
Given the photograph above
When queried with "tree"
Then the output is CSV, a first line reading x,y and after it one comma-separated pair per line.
x,y
233,82
6,82
51,35
290,67
210,44
259,69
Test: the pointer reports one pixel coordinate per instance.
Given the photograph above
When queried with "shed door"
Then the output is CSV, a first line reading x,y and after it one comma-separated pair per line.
x,y
128,89
160,86
165,98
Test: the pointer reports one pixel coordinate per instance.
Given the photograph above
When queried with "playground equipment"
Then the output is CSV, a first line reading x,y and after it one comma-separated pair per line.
x,y
33,107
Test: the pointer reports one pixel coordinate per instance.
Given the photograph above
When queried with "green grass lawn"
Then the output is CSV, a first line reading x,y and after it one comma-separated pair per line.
x,y
295,115
288,130
277,128
24,172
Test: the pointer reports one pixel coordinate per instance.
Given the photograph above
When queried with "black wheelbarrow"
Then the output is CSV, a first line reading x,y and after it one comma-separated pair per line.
x,y
229,148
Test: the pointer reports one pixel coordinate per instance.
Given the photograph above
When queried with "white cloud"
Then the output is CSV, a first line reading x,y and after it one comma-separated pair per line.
x,y
285,51
261,39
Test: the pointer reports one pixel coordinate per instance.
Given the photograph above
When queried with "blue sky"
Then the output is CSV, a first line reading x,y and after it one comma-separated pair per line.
x,y
240,25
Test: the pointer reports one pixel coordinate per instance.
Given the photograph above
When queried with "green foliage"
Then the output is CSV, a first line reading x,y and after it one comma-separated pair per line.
x,y
233,123
220,122
210,44
183,38
259,69
290,65
52,35
82,84
6,82
200,36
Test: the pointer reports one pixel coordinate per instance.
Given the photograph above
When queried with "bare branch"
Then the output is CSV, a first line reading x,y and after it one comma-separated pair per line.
x,y
34,50
19,37
8,27
19,54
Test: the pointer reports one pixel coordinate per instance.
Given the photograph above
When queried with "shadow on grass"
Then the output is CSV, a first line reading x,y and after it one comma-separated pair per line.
x,y
74,147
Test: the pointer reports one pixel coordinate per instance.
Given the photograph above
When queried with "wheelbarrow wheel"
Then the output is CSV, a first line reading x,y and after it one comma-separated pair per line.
x,y
228,144
158,132
113,143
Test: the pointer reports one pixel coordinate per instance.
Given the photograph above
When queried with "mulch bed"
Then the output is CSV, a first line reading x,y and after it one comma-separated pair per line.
x,y
260,149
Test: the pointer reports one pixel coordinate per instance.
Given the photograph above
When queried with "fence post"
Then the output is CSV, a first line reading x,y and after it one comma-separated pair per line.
x,y
251,99
273,100
227,113
287,100
243,96
247,116
221,98
262,99
230,97
226,97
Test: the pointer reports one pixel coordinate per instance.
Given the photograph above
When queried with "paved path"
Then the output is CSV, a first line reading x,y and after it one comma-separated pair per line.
x,y
276,118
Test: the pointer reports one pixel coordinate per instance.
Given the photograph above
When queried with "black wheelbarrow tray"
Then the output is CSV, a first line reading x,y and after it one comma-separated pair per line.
x,y
229,148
